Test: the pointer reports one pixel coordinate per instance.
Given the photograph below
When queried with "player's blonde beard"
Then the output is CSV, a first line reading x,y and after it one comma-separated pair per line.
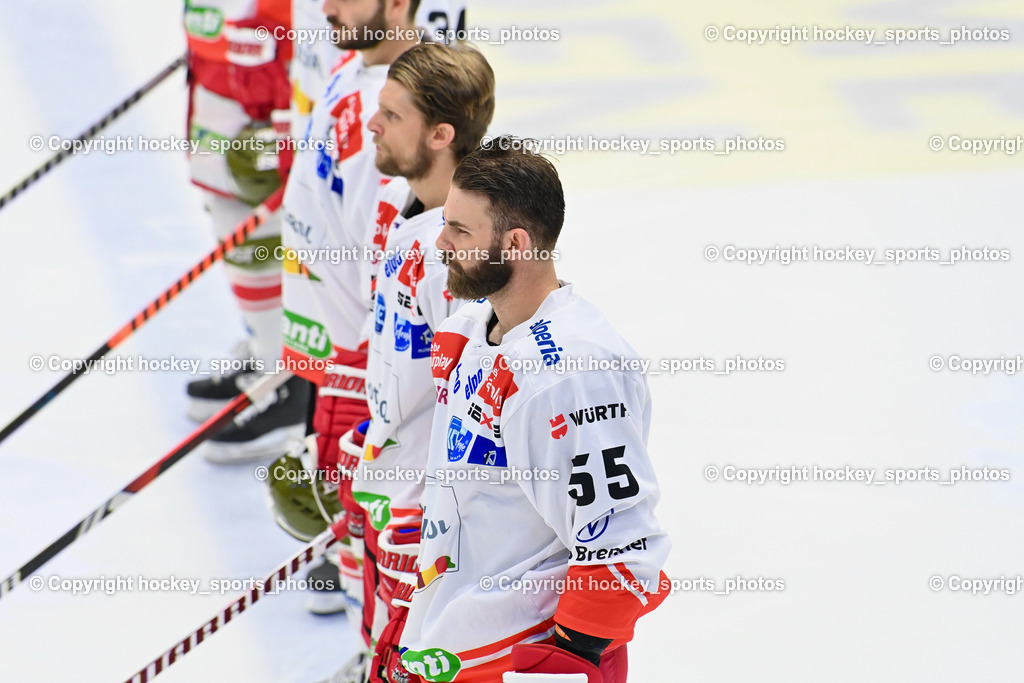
x,y
482,280
418,167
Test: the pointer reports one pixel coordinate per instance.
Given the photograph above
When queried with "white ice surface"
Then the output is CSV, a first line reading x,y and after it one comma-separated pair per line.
x,y
97,239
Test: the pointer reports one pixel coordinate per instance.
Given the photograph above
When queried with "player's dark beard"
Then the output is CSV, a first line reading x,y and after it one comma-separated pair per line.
x,y
483,279
418,168
359,37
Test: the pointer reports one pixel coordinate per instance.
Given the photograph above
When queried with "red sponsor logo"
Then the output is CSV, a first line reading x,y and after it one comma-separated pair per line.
x,y
558,426
345,382
348,131
385,217
412,270
498,386
346,57
445,351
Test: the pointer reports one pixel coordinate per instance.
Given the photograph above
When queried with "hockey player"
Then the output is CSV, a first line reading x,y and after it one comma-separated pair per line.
x,y
238,62
342,193
539,546
432,111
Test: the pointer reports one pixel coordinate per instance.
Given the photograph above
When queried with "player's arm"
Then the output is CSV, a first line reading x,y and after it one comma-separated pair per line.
x,y
588,432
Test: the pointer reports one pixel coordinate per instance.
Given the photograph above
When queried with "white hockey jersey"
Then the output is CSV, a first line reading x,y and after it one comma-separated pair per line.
x,y
328,223
540,495
314,59
411,300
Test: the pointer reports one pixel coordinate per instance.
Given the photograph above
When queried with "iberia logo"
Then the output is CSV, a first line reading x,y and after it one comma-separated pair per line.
x,y
348,131
558,426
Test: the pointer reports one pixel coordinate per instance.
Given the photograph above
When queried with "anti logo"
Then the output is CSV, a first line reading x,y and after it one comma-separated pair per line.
x,y
378,508
305,335
432,664
458,440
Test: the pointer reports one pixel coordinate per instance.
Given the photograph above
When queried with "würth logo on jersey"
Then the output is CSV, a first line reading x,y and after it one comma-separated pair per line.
x,y
348,131
445,351
609,411
598,413
498,386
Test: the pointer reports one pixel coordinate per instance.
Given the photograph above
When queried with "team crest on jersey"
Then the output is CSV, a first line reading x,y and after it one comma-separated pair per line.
x,y
458,439
348,131
445,351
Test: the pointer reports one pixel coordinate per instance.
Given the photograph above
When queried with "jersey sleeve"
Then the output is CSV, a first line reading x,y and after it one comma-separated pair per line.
x,y
584,440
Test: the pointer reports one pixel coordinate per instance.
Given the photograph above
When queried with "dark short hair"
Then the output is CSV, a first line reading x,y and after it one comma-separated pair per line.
x,y
522,187
453,85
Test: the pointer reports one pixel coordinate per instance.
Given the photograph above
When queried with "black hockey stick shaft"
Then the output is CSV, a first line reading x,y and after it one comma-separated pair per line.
x,y
253,394
115,113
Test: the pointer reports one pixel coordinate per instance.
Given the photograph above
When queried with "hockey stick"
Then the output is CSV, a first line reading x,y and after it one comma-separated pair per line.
x,y
312,551
257,218
253,394
91,132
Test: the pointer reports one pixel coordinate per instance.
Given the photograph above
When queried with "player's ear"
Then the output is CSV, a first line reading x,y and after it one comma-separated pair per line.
x,y
441,136
517,239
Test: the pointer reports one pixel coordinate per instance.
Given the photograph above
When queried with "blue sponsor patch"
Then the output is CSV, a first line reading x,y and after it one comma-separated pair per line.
x,y
337,185
403,334
458,439
323,164
422,336
378,314
485,452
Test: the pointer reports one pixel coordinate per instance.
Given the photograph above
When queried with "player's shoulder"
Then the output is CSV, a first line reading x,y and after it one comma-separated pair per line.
x,y
568,326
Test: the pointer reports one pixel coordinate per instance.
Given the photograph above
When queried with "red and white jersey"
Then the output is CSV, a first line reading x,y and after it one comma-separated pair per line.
x,y
411,300
214,43
328,221
540,494
311,65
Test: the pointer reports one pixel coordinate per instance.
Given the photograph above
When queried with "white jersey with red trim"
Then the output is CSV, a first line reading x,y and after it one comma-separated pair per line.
x,y
314,58
540,495
411,300
328,218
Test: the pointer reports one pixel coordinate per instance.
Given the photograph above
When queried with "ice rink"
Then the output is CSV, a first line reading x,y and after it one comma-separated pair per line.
x,y
872,575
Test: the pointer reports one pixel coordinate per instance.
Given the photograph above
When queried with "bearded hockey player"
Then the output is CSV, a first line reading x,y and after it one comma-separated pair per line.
x,y
432,111
539,549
